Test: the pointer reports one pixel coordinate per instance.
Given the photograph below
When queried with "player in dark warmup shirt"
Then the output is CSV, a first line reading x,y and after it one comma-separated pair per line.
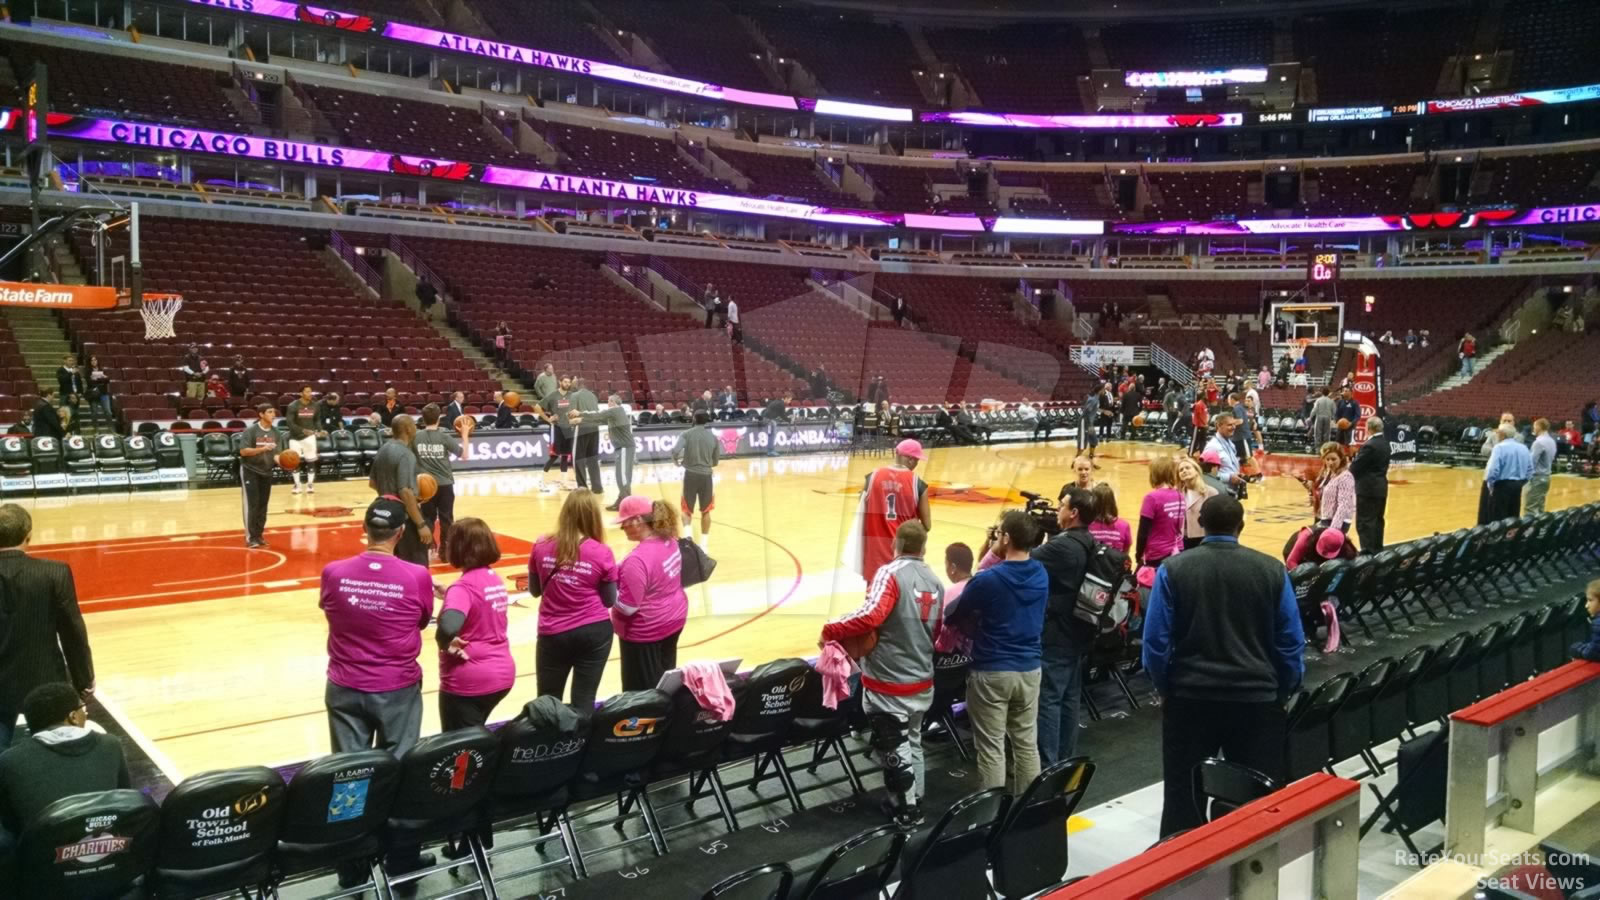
x,y
555,408
394,474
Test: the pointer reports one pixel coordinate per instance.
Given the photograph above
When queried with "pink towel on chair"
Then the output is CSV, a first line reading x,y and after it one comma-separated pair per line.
x,y
710,688
834,667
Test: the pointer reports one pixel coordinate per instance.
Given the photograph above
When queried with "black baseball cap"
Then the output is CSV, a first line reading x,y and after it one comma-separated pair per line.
x,y
386,512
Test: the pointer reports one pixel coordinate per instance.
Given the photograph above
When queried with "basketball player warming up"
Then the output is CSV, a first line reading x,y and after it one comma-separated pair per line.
x,y
303,434
556,409
435,446
893,495
394,475
261,444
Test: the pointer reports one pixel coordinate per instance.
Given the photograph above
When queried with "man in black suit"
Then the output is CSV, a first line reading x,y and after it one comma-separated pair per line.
x,y
453,410
47,419
69,380
42,637
1371,470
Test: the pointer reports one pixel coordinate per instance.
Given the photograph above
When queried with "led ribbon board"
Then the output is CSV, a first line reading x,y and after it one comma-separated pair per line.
x,y
1024,120
1189,78
1486,218
306,14
194,140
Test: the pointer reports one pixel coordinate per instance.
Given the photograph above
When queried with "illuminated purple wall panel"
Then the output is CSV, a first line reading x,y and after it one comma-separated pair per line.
x,y
1023,120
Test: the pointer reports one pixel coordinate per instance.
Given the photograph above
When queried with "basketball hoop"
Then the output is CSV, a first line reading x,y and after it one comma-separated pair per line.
x,y
160,312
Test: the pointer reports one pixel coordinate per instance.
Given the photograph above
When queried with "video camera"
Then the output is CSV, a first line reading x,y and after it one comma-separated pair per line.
x,y
1044,515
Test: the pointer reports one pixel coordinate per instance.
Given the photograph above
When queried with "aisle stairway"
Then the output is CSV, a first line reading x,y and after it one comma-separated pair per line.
x,y
42,344
1479,365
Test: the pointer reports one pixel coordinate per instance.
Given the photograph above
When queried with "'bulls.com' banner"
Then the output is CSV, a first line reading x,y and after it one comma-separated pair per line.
x,y
526,447
1368,387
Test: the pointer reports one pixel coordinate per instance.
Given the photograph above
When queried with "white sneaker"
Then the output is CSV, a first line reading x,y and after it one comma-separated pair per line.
x,y
311,489
296,489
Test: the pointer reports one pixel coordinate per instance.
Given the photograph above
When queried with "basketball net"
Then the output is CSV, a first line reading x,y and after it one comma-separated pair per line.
x,y
160,312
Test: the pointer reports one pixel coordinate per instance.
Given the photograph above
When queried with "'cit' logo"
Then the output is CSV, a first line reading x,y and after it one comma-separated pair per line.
x,y
635,726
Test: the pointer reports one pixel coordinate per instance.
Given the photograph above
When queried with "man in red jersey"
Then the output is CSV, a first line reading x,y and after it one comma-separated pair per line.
x,y
893,495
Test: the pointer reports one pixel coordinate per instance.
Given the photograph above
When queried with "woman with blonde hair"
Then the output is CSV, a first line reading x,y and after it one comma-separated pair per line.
x,y
1196,491
1336,489
574,574
1161,516
651,605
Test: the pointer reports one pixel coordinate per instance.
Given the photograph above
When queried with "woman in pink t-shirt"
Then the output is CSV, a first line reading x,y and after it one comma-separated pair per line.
x,y
574,574
1161,515
1107,528
475,666
651,605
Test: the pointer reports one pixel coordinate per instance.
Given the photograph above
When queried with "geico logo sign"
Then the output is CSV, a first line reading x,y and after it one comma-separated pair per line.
x,y
634,727
557,750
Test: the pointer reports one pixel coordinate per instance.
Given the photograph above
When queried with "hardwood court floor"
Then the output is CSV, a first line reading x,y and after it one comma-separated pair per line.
x,y
214,655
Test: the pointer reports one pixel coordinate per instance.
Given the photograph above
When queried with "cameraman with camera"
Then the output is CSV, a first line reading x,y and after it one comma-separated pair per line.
x,y
1066,639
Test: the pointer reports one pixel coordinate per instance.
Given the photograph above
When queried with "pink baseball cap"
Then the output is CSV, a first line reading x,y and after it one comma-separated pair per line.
x,y
632,507
1330,542
1146,576
1211,457
910,447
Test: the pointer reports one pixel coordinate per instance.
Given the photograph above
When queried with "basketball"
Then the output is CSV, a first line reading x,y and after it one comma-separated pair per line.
x,y
289,459
427,486
1138,421
860,645
465,424
513,399
1344,424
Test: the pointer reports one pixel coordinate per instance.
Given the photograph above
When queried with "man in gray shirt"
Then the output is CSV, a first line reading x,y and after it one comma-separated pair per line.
x,y
619,428
435,446
258,449
1322,410
698,451
546,383
1544,457
394,474
586,443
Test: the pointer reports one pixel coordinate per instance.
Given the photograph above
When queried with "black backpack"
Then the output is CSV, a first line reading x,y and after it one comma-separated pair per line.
x,y
1102,600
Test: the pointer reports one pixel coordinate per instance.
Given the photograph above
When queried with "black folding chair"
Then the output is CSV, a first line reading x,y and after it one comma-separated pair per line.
x,y
1220,787
857,869
1028,850
952,861
88,847
769,882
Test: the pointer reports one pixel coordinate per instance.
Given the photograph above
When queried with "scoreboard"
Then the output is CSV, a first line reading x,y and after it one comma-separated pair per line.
x,y
1323,267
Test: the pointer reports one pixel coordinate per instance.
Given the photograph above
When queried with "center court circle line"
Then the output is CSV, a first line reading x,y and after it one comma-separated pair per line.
x,y
281,559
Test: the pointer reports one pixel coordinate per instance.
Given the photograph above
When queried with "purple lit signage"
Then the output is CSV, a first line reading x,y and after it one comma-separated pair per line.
x,y
273,150
1024,120
943,223
496,50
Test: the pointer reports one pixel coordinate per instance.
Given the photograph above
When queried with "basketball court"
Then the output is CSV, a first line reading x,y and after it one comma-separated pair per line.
x,y
211,655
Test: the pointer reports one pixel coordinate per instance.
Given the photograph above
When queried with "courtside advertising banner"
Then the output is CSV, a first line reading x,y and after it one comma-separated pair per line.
x,y
57,296
1365,387
528,448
